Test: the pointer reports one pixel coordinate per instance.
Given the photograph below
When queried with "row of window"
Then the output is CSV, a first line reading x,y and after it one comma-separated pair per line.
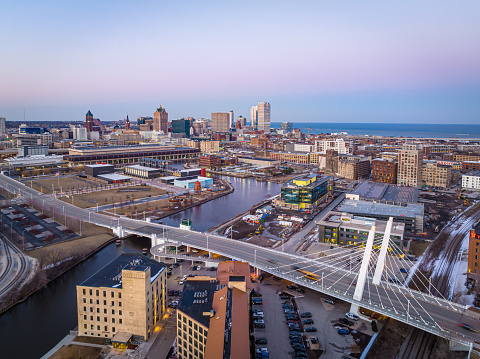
x,y
97,293
92,327
105,319
91,308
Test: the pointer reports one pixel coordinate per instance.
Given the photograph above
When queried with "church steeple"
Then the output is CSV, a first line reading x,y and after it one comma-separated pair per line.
x,y
127,124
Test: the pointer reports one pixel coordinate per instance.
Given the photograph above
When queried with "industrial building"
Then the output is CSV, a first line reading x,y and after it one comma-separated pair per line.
x,y
143,172
304,192
411,214
106,173
119,155
122,301
205,182
348,229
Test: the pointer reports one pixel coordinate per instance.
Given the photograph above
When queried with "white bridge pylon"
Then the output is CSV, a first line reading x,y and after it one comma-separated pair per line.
x,y
362,274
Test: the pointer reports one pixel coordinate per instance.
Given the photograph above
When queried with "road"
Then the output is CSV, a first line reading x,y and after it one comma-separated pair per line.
x,y
412,307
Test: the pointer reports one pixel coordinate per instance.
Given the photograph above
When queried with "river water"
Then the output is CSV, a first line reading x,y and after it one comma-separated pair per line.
x,y
32,328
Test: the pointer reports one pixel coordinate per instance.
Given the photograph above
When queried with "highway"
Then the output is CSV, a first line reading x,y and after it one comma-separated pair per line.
x,y
428,313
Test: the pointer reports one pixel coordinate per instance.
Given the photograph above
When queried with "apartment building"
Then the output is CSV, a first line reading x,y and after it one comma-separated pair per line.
x,y
410,160
209,146
436,175
125,296
353,167
339,145
471,180
474,252
384,171
471,165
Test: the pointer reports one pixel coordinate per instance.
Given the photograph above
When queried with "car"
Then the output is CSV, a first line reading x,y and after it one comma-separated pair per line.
x,y
258,311
346,321
294,329
212,269
393,280
310,330
295,335
308,321
306,315
329,301
343,331
259,321
257,316
300,290
374,316
467,327
199,267
295,340
261,341
259,325
284,296
351,316
271,261
194,250
403,270
182,282
278,279
172,305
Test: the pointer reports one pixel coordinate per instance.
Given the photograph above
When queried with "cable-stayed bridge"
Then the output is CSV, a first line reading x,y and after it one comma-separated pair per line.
x,y
364,277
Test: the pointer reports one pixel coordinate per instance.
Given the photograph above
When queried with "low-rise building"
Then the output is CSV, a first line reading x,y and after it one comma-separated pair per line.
x,y
143,172
471,180
304,192
209,146
436,175
125,296
471,165
347,229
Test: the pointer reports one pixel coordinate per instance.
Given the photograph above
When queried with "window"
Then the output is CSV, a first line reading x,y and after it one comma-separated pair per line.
x,y
119,304
90,291
119,295
112,294
120,321
91,317
104,319
104,293
120,312
98,319
91,301
85,299
105,311
98,302
113,311
85,292
98,310
113,329
96,292
84,309
113,320
84,326
84,317
104,302
113,302
98,327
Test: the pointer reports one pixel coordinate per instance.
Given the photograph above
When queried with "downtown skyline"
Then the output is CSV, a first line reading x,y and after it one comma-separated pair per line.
x,y
415,62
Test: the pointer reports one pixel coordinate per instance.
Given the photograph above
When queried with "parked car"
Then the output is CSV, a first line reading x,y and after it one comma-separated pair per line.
x,y
306,315
278,279
308,321
329,301
351,316
284,296
346,321
343,331
258,321
261,341
259,325
310,330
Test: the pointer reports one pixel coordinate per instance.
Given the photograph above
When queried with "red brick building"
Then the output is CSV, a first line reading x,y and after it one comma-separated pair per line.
x,y
384,171
474,252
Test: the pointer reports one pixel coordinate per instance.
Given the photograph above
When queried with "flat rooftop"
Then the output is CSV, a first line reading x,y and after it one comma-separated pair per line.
x,y
386,192
473,173
197,298
114,177
144,168
111,274
320,179
371,208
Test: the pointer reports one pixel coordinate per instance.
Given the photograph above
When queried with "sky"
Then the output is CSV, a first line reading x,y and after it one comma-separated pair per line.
x,y
314,61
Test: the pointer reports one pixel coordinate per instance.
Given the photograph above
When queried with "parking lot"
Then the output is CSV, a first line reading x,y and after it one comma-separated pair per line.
x,y
325,318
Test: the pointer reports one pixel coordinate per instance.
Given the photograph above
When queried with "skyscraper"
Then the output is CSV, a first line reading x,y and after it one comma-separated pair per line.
x,y
89,121
231,119
220,121
2,125
254,117
263,117
160,120
410,160
287,127
243,121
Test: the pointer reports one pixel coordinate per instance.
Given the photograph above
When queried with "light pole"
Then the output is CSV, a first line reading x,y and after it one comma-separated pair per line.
x,y
408,310
322,280
255,261
23,235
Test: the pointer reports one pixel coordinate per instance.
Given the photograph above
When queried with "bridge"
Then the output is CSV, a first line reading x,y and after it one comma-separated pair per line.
x,y
368,288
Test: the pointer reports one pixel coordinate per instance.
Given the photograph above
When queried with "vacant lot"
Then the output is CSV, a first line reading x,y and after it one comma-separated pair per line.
x,y
45,184
117,195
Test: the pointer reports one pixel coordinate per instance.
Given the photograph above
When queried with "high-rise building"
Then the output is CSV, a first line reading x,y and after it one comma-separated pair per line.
x,y
287,127
220,121
384,171
410,160
2,125
254,117
231,119
181,128
242,120
160,120
263,116
89,121
127,296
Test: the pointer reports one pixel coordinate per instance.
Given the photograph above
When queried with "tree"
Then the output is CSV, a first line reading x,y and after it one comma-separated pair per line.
x,y
26,173
46,171
36,172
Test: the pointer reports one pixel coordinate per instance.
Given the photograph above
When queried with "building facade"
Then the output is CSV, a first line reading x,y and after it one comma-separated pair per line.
x,y
209,146
254,117
384,171
220,121
287,127
353,169
160,120
471,180
339,145
181,128
304,193
89,121
126,296
474,253
263,117
436,175
2,125
410,160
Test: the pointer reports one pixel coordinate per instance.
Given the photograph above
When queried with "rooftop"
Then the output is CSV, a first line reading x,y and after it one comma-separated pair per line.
x,y
197,298
372,208
143,168
320,179
111,274
473,173
386,192
114,177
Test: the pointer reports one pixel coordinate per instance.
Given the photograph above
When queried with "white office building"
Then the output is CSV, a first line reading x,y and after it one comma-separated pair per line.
x,y
263,117
471,180
338,145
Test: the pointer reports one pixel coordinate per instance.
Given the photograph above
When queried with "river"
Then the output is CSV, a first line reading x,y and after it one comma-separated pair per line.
x,y
33,327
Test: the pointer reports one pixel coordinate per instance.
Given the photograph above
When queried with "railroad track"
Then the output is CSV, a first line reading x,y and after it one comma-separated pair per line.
x,y
9,260
419,344
9,249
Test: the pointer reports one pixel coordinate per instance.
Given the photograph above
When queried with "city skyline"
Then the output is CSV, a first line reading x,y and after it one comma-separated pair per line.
x,y
315,62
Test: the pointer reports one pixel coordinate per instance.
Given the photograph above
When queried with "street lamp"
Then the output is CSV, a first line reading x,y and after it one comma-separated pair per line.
x,y
23,238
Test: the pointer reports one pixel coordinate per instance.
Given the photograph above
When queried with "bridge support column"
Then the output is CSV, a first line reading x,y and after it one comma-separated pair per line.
x,y
154,240
118,231
362,274
383,253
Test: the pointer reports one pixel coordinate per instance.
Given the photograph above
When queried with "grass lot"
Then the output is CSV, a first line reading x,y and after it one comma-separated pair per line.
x,y
87,200
45,184
72,351
418,247
90,340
